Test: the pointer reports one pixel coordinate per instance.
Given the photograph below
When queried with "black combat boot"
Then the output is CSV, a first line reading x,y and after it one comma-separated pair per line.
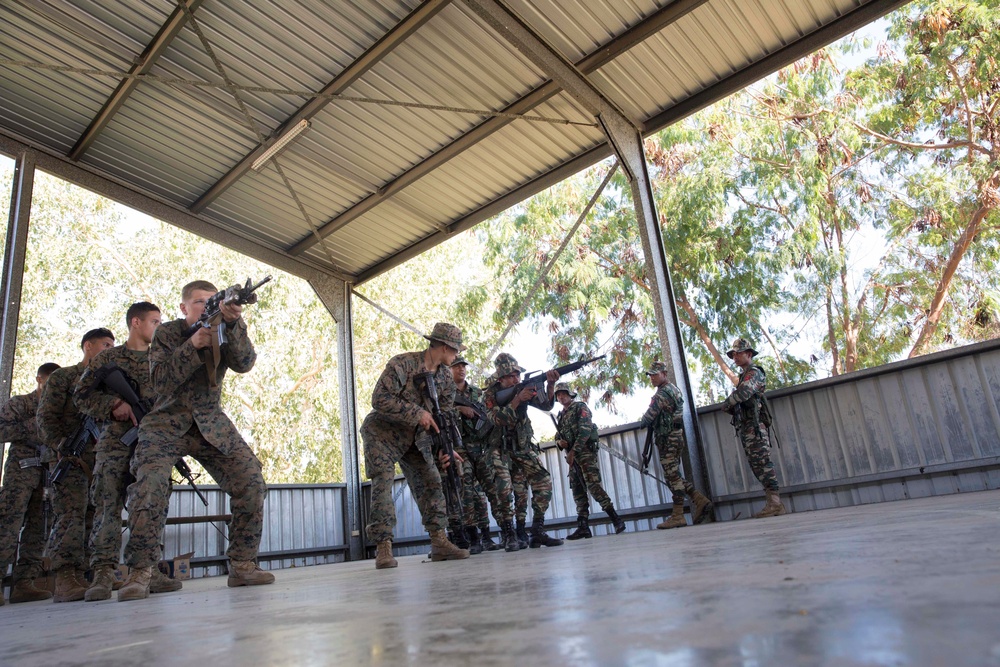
x,y
522,534
538,536
475,546
582,529
488,543
616,520
458,538
509,537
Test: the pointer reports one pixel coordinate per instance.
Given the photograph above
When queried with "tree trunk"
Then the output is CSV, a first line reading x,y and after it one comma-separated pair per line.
x,y
692,321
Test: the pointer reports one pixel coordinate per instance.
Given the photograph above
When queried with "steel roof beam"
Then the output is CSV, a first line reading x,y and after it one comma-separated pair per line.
x,y
161,41
350,74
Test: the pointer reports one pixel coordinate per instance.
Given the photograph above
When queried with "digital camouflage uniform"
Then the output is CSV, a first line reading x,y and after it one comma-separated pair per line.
x,y
389,434
58,417
576,426
187,420
664,415
21,496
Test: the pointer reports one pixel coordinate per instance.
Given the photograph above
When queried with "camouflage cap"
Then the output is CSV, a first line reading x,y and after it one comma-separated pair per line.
x,y
459,361
656,367
448,334
564,386
506,364
741,345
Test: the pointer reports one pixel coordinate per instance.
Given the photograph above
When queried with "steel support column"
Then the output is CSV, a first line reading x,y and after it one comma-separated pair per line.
x,y
13,266
336,296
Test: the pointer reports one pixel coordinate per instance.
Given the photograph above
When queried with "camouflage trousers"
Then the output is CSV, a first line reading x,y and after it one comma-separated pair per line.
x,y
383,448
73,516
670,449
758,451
106,491
586,464
536,476
21,505
238,474
519,485
474,496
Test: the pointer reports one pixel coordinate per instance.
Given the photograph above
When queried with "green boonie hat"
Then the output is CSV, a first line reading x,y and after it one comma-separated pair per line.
x,y
448,334
656,367
506,364
741,345
459,361
564,386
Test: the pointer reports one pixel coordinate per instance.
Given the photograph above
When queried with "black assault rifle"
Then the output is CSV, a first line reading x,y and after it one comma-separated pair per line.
x,y
446,439
647,451
505,396
576,468
73,447
483,425
117,381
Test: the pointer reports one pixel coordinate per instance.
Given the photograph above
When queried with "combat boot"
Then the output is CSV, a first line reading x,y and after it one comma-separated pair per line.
x,y
459,538
104,580
247,573
68,588
522,535
137,585
25,591
538,536
772,507
701,508
488,543
509,537
161,583
676,519
383,556
442,549
475,546
616,521
582,529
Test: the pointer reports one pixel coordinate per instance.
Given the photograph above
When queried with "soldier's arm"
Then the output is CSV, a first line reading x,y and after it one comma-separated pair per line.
x,y
586,428
50,408
17,422
652,412
504,417
746,388
171,361
100,402
239,354
387,398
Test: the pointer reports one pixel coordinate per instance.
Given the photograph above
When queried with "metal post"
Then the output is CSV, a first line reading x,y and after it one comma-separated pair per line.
x,y
13,266
336,296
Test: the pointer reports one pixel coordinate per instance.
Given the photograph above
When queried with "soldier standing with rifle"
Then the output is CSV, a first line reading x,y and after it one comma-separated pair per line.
x,y
22,495
395,431
576,434
59,421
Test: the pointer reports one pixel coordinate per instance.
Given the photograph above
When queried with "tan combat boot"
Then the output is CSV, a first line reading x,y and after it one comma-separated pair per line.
x,y
26,591
247,573
137,585
161,583
676,519
104,580
772,507
68,589
383,556
701,508
443,549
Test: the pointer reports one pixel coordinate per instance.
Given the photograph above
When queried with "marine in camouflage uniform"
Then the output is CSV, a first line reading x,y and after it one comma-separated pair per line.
x,y
665,417
73,515
745,404
521,490
512,445
22,494
187,420
577,435
396,431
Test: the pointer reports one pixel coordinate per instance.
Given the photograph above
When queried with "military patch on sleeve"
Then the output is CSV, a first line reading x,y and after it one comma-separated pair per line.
x,y
585,413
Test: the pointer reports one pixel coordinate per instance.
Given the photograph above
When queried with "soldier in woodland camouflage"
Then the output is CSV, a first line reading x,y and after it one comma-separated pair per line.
x,y
21,496
111,470
58,417
746,404
664,416
577,435
396,431
187,420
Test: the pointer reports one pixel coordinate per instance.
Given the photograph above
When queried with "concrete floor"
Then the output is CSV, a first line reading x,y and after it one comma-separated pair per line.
x,y
906,583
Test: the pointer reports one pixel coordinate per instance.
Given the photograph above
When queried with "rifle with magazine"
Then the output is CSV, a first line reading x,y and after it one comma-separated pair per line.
x,y
445,440
483,425
73,447
505,396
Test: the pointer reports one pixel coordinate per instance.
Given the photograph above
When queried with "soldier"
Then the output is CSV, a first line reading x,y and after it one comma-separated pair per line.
x,y
22,495
664,417
187,420
395,431
576,434
513,435
59,418
111,470
747,405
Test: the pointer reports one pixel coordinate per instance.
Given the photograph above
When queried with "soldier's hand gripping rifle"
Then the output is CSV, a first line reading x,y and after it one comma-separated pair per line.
x,y
445,440
483,425
505,396
73,447
575,468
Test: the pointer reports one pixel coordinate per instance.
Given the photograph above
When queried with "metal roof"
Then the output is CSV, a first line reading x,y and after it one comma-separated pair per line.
x,y
369,184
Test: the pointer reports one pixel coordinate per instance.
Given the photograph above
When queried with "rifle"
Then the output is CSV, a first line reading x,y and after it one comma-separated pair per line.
x,y
647,451
505,396
185,471
212,317
483,424
445,440
575,467
74,446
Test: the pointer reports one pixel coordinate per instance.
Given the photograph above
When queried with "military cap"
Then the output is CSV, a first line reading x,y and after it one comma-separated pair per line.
x,y
741,345
448,334
459,361
656,367
506,364
564,386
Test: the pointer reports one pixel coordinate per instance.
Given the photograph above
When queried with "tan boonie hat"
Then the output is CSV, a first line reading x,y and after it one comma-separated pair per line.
x,y
506,364
459,361
564,386
656,367
448,334
741,345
